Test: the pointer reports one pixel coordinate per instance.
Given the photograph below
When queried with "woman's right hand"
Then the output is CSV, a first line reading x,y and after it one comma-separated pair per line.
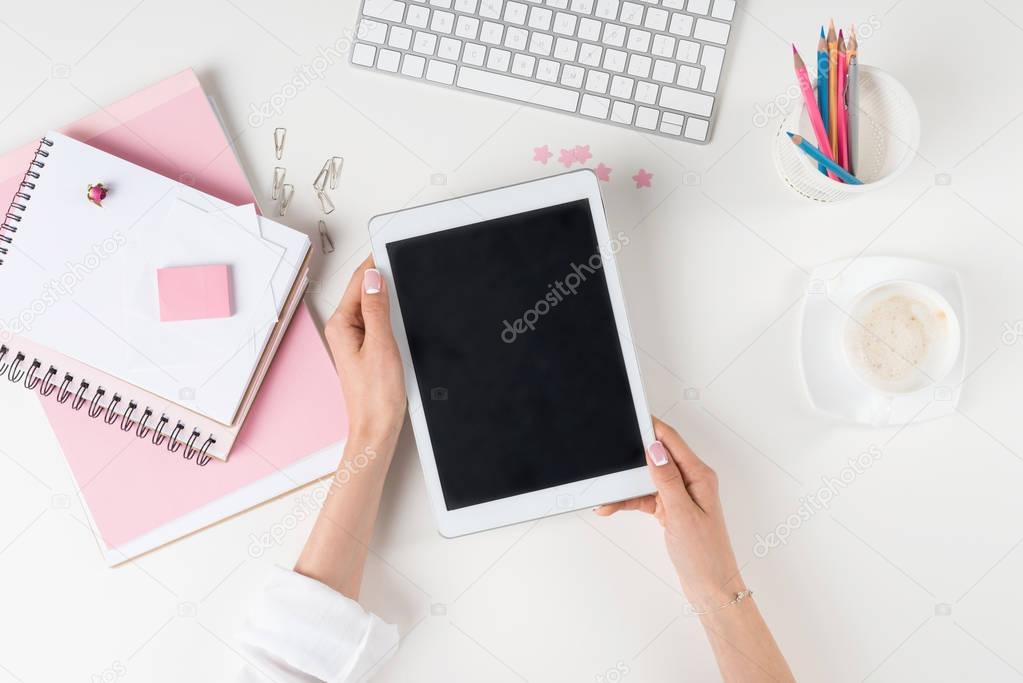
x,y
689,508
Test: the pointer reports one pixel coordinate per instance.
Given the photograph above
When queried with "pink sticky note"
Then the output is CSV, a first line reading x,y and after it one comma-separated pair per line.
x,y
194,292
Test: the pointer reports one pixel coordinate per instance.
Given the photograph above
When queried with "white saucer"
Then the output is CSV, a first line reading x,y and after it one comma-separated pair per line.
x,y
832,384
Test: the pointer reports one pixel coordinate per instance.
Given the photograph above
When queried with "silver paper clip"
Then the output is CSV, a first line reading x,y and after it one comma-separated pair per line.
x,y
325,204
336,164
320,184
287,192
279,173
326,243
280,135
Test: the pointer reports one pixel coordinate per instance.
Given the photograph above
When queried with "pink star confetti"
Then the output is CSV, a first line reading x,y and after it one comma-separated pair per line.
x,y
603,172
567,157
642,178
542,154
582,153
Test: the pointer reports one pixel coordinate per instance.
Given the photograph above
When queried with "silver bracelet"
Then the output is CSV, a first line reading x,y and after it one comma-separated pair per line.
x,y
739,597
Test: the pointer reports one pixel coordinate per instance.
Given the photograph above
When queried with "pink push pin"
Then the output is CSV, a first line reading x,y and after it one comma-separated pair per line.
x,y
97,193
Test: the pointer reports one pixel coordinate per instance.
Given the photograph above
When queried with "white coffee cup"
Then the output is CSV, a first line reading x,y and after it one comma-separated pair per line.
x,y
901,337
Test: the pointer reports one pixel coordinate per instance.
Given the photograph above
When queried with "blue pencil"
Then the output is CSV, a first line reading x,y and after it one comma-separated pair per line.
x,y
823,74
822,160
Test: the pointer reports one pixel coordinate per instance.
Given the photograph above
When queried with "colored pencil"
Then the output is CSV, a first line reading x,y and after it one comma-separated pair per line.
x,y
833,89
843,112
852,87
822,80
811,105
819,156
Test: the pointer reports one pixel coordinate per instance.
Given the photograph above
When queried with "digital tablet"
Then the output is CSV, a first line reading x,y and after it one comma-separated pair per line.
x,y
524,389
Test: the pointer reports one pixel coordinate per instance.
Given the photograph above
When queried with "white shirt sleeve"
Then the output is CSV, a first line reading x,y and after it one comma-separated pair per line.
x,y
301,631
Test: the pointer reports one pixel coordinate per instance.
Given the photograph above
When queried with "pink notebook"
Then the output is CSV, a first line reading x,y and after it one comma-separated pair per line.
x,y
140,496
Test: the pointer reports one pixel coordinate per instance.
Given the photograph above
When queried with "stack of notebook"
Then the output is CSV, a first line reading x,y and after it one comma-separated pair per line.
x,y
138,398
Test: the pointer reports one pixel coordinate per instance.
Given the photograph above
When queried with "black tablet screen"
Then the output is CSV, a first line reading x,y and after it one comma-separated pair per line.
x,y
513,339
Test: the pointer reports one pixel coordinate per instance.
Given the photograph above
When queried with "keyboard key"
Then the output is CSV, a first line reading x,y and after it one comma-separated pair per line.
x,y
516,38
696,129
413,66
681,24
467,27
646,92
688,51
441,72
565,49
515,13
594,106
607,9
621,87
656,19
639,41
664,71
713,58
723,9
363,54
589,29
673,4
417,16
670,128
388,60
581,6
474,54
597,81
685,101
614,60
540,18
388,10
698,6
564,23
372,31
590,54
614,35
632,14
517,89
491,33
557,4
711,31
449,48
639,65
622,112
424,43
647,118
688,76
467,6
491,9
546,70
442,22
572,75
445,4
541,44
498,60
400,37
522,65
663,46
671,117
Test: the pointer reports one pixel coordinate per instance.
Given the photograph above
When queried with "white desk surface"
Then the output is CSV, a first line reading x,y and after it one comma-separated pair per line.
x,y
913,573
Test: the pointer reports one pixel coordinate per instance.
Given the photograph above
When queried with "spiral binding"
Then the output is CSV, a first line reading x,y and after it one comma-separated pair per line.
x,y
15,371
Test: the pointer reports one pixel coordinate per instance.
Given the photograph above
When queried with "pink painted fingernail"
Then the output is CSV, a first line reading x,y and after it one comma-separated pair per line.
x,y
371,281
658,453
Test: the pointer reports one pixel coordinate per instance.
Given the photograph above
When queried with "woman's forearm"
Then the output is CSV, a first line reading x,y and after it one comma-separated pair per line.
x,y
336,551
743,645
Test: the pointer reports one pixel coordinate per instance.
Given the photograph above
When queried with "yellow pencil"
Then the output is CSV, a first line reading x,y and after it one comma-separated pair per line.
x,y
833,89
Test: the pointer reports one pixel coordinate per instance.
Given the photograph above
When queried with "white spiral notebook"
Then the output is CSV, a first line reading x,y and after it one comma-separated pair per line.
x,y
79,318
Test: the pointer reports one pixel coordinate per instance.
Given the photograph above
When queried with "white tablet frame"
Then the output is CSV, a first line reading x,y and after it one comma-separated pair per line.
x,y
477,208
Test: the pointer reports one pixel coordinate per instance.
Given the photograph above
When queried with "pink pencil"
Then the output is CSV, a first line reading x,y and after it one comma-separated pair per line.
x,y
811,107
843,110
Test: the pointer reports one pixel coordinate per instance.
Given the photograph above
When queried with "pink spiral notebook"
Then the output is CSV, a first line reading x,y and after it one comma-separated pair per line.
x,y
140,496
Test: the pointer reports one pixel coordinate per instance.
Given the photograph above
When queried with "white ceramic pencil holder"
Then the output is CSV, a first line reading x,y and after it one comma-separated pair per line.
x,y
889,134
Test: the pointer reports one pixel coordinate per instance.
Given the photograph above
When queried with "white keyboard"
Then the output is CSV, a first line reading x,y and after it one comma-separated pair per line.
x,y
651,65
